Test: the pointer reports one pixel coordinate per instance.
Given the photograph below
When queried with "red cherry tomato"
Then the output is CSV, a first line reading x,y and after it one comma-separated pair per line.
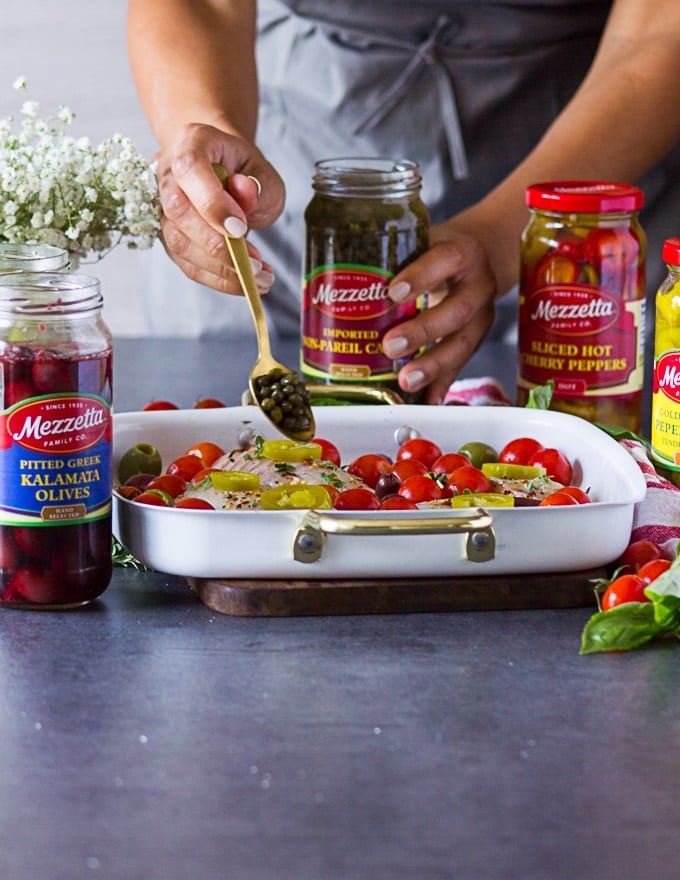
x,y
519,451
650,571
420,449
468,478
158,405
420,487
557,465
208,403
129,492
173,484
207,451
638,552
447,463
397,502
199,476
625,588
186,466
578,494
407,467
356,499
329,451
156,498
369,467
558,499
194,504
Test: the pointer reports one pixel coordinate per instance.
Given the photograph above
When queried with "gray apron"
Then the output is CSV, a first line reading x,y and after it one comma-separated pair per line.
x,y
464,88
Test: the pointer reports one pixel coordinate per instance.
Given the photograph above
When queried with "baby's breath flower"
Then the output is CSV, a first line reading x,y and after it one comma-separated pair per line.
x,y
61,190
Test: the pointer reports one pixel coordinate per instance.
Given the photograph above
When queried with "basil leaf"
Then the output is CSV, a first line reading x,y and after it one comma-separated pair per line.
x,y
540,396
620,433
622,628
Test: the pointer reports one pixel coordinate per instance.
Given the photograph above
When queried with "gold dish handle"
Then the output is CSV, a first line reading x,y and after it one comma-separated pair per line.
x,y
310,537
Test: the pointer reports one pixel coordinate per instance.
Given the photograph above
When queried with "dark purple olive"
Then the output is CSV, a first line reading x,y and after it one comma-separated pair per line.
x,y
388,484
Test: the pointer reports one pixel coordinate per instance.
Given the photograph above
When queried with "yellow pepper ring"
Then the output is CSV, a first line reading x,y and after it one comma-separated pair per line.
x,y
290,450
234,481
301,496
502,471
482,499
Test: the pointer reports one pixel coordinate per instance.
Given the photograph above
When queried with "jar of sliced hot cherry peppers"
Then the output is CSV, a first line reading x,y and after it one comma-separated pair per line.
x,y
55,441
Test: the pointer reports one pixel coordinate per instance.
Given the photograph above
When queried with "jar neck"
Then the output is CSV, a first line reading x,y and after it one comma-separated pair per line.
x,y
31,258
49,296
366,178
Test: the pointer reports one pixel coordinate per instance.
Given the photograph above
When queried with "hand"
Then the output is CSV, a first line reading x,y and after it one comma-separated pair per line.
x,y
197,209
456,272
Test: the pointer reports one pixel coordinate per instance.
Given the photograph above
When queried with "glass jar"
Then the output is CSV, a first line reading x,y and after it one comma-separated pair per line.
x,y
55,441
365,222
31,258
665,428
582,300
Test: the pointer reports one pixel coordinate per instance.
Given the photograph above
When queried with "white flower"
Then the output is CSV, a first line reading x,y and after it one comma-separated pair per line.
x,y
61,190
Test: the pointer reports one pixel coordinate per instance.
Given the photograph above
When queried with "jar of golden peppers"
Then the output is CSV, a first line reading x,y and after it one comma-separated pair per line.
x,y
365,222
665,428
582,299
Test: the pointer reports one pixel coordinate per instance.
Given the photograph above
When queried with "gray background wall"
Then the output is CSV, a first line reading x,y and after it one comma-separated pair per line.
x,y
73,52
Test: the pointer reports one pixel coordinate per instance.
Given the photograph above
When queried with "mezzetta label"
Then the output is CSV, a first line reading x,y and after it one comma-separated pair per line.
x,y
64,424
667,375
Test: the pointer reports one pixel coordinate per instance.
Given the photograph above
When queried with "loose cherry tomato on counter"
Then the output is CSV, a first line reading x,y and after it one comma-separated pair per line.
x,y
468,478
172,484
159,405
447,463
420,487
421,449
329,451
207,451
650,571
578,494
557,465
397,502
193,504
208,403
625,588
558,499
186,466
637,553
369,467
356,499
519,451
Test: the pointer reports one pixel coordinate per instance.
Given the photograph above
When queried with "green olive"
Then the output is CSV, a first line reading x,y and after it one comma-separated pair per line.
x,y
140,459
478,453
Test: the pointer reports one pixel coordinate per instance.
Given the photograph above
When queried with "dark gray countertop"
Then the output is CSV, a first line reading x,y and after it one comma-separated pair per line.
x,y
149,738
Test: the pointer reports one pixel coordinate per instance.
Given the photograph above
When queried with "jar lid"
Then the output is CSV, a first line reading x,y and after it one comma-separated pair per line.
x,y
585,197
670,252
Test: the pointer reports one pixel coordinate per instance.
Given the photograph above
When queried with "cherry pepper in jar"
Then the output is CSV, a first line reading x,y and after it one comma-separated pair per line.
x,y
582,299
55,441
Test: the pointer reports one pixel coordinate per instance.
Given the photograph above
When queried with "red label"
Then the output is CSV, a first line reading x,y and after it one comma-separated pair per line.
x,y
667,375
350,293
60,424
574,310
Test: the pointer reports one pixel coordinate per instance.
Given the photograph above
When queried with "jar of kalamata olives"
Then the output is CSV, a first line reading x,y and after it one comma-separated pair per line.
x,y
31,258
55,441
582,299
665,433
365,222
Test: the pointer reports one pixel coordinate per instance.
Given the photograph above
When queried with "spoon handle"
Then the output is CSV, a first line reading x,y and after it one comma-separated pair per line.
x,y
239,255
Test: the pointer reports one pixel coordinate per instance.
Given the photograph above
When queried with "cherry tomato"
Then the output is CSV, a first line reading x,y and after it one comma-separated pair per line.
x,y
173,484
329,451
397,502
406,468
651,570
420,449
468,478
369,467
557,465
159,404
199,476
129,492
420,487
154,497
186,466
519,451
580,496
558,499
208,403
447,463
638,552
356,499
207,451
194,504
625,588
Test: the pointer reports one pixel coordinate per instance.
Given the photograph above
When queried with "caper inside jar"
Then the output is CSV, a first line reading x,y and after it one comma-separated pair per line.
x,y
365,223
283,396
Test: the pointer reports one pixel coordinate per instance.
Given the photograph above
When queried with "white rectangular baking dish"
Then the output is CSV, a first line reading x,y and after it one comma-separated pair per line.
x,y
297,544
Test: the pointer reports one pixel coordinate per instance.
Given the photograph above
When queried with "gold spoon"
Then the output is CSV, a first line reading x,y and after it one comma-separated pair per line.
x,y
279,392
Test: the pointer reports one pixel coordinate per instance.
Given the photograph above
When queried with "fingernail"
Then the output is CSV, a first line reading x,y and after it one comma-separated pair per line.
x,y
413,379
264,279
256,264
393,348
399,291
235,228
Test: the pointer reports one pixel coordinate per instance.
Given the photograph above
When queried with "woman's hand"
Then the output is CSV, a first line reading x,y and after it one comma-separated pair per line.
x,y
456,272
197,209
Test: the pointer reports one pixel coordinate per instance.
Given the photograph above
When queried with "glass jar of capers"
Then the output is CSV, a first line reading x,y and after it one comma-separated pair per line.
x,y
365,222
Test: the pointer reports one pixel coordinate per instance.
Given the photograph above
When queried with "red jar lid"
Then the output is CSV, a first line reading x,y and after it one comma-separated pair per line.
x,y
670,252
585,197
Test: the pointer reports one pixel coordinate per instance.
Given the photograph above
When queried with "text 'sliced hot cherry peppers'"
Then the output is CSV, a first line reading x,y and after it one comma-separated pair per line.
x,y
55,441
582,299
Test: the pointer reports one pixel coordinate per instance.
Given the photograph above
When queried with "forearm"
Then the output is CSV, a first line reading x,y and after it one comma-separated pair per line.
x,y
622,120
194,61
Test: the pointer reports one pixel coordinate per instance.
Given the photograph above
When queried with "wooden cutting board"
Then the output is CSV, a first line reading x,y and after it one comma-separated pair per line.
x,y
292,598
